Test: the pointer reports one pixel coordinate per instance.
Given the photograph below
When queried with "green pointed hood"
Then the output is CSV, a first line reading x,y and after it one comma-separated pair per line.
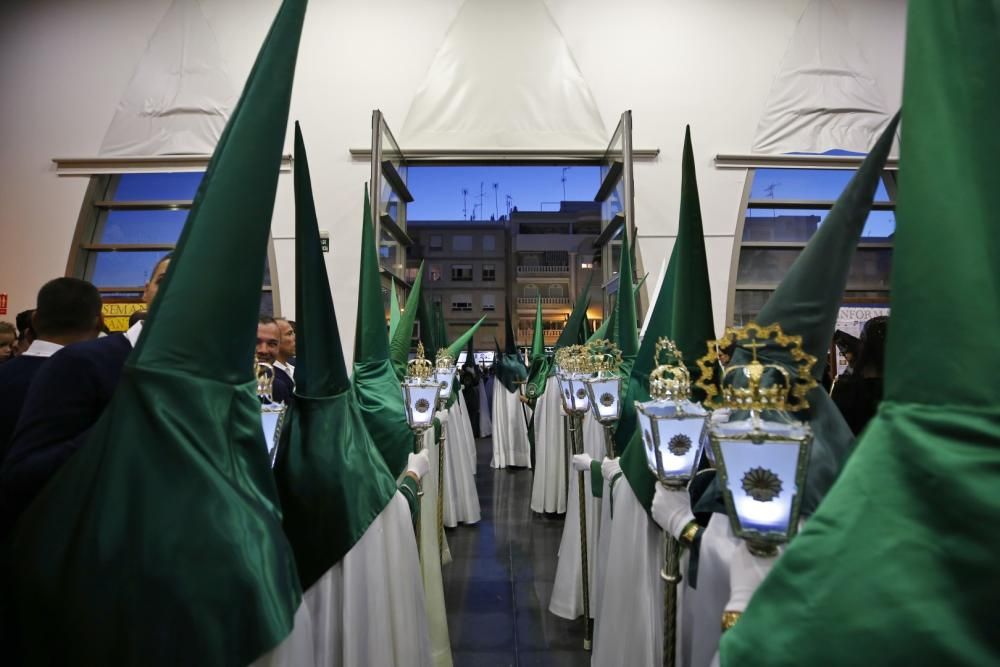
x,y
540,362
371,339
168,516
465,339
394,314
627,335
538,337
440,328
910,516
376,386
571,333
399,344
608,329
331,479
806,303
510,366
425,317
682,311
470,352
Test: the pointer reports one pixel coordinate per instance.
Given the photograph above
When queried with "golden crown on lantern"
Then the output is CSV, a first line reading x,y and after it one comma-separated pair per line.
x,y
574,359
789,385
669,381
605,356
443,359
419,366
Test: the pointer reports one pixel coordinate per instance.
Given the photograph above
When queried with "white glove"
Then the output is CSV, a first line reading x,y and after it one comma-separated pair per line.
x,y
581,462
746,571
610,468
419,464
672,510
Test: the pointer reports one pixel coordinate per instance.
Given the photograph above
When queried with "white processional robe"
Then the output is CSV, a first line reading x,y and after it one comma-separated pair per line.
x,y
511,446
548,488
567,591
485,420
461,500
368,609
468,435
629,622
432,556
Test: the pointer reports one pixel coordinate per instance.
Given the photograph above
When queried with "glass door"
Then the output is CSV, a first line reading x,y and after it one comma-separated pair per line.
x,y
615,195
389,197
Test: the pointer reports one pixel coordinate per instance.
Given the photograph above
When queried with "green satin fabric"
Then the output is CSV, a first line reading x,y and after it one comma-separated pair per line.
x,y
898,565
380,400
510,371
160,541
331,480
400,341
538,374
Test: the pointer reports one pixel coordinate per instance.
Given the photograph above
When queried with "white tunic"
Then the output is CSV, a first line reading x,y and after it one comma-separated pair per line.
x,y
511,446
548,488
567,592
485,421
461,500
368,609
629,624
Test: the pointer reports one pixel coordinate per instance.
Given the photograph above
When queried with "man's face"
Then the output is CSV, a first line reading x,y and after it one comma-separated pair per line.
x,y
153,286
7,346
268,341
287,349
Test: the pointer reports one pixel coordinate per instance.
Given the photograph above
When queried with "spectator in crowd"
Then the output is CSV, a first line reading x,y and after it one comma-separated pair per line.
x,y
25,334
69,311
65,400
268,343
8,340
285,359
859,393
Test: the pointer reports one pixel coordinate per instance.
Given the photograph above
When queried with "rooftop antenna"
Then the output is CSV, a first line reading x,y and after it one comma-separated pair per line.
x,y
769,192
496,200
465,203
563,179
509,201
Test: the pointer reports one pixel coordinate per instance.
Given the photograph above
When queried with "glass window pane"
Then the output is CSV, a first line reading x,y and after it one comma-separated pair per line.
x,y
777,224
820,184
141,226
176,186
120,269
870,267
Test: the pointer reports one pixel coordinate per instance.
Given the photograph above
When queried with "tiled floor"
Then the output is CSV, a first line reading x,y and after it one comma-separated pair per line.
x,y
497,588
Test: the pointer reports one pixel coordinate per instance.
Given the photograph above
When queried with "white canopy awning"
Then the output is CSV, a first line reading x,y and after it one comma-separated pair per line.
x,y
180,96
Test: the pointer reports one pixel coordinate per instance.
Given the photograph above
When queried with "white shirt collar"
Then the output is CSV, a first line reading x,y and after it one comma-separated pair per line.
x,y
133,332
288,368
41,348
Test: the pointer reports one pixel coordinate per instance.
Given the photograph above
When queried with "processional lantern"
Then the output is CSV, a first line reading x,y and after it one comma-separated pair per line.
x,y
762,452
420,394
272,415
672,428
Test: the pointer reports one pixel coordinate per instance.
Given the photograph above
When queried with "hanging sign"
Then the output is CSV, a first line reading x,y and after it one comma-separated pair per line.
x,y
117,313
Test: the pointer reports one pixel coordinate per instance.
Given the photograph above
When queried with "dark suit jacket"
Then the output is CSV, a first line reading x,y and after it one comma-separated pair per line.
x,y
15,378
66,398
283,387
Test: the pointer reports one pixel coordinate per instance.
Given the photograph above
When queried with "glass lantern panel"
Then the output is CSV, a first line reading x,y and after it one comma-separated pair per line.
x,y
761,479
581,401
269,420
566,392
677,434
605,397
445,380
420,400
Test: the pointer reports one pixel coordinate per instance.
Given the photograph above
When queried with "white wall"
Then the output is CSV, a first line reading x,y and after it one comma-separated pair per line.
x,y
64,65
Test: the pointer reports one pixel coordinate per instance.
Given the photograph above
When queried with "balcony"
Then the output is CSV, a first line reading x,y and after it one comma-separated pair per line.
x,y
543,270
550,301
525,336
